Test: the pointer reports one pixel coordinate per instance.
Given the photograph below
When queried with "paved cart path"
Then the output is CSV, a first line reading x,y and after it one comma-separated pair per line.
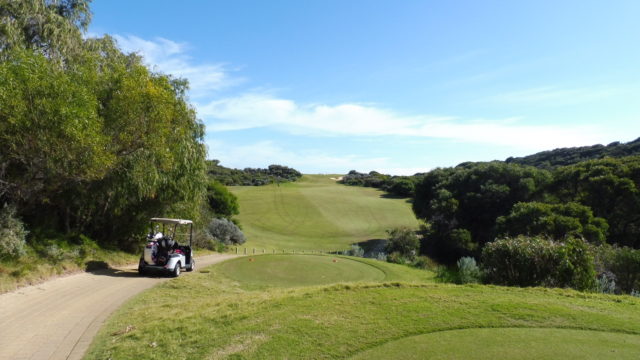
x,y
59,318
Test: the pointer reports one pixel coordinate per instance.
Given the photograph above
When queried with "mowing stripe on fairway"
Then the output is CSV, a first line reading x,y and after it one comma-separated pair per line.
x,y
316,213
510,343
298,270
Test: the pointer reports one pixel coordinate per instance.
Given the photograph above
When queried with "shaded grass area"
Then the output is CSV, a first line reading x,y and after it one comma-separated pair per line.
x,y
210,316
316,213
510,343
58,256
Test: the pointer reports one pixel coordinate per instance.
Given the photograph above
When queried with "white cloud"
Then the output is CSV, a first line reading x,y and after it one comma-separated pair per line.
x,y
170,57
553,95
258,110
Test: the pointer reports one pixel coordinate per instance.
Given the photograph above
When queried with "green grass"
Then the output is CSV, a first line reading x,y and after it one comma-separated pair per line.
x,y
57,256
316,213
208,316
305,270
310,307
510,343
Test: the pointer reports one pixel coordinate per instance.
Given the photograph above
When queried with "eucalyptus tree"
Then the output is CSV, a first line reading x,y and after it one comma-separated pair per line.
x,y
93,141
52,27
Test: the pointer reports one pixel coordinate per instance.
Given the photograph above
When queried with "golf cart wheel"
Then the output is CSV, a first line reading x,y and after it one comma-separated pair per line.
x,y
193,265
141,269
176,270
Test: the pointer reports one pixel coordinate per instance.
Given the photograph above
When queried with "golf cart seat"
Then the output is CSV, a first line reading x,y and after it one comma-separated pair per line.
x,y
163,252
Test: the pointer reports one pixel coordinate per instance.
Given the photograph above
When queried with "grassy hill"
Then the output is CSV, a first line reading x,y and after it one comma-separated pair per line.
x,y
336,307
223,312
316,213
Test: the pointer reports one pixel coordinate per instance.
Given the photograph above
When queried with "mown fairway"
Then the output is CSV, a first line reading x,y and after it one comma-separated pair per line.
x,y
211,316
304,270
292,271
510,343
316,213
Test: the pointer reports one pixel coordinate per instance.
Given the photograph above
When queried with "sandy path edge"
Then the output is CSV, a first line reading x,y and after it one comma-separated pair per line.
x,y
58,319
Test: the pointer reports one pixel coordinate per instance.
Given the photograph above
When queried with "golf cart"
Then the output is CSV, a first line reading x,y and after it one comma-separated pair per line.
x,y
163,253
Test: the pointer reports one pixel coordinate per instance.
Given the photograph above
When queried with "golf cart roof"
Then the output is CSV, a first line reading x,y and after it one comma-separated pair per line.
x,y
172,221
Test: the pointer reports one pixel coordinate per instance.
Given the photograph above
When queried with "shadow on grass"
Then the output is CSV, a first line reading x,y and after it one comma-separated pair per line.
x,y
407,199
373,247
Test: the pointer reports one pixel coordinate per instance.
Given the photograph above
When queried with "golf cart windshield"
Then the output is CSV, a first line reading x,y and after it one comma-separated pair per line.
x,y
170,227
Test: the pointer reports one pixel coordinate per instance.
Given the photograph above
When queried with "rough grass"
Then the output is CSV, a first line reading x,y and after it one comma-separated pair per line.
x,y
209,316
58,258
316,213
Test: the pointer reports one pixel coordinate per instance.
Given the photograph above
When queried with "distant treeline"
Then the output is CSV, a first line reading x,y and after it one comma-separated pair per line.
x,y
570,226
405,185
472,204
466,206
568,156
402,186
575,225
251,176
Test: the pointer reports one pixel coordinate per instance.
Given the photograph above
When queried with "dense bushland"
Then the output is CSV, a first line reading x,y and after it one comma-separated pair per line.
x,y
469,205
542,217
94,143
554,220
460,205
569,156
610,188
250,176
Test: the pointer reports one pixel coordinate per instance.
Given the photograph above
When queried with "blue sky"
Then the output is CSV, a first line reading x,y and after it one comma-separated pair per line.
x,y
393,86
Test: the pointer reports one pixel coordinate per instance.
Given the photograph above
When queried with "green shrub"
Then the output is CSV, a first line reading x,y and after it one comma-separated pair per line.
x,y
403,241
54,253
219,247
606,283
204,240
424,262
221,201
226,232
398,258
623,263
468,271
537,261
356,250
446,274
12,233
